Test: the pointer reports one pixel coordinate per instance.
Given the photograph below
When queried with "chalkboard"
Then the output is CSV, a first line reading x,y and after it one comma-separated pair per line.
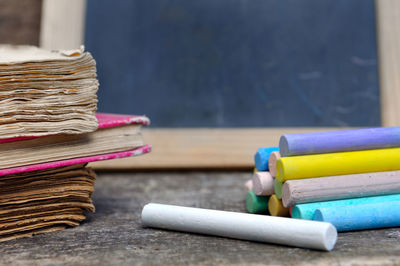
x,y
237,63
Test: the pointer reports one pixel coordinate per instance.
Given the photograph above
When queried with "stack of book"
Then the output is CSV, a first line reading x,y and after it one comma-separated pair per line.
x,y
349,178
49,131
45,92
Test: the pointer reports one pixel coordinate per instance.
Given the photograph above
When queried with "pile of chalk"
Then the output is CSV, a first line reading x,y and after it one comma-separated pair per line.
x,y
349,178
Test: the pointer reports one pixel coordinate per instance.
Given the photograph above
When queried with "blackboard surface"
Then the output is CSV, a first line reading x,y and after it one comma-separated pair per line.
x,y
237,63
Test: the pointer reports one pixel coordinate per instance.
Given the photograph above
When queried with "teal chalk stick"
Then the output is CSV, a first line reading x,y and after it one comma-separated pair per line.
x,y
261,157
256,204
306,210
361,216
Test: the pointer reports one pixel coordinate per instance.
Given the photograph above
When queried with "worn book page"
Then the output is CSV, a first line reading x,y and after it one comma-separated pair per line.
x,y
44,201
46,92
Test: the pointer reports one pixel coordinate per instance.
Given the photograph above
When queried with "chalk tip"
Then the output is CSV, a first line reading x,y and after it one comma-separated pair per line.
x,y
318,215
330,237
276,208
256,204
262,183
273,157
283,146
260,163
145,206
143,216
296,212
261,157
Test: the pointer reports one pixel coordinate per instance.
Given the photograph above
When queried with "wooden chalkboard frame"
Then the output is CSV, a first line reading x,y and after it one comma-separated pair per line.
x,y
228,148
388,38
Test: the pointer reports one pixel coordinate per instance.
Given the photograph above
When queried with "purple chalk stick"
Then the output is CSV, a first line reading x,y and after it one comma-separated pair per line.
x,y
339,141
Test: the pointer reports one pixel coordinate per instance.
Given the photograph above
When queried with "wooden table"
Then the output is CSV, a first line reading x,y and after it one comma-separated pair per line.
x,y
114,235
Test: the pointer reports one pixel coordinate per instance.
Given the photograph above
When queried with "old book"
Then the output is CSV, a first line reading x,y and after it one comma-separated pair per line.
x,y
44,200
46,92
116,133
51,196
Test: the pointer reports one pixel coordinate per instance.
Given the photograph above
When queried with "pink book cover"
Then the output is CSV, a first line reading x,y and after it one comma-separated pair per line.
x,y
104,120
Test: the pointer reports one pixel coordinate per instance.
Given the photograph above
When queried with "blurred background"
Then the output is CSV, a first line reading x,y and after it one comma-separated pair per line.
x,y
235,63
226,64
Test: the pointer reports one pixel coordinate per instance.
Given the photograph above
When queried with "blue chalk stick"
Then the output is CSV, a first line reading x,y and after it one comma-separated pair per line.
x,y
306,210
361,217
261,157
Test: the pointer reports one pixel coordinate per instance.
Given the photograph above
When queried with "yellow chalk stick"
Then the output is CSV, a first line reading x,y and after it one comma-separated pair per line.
x,y
341,163
276,208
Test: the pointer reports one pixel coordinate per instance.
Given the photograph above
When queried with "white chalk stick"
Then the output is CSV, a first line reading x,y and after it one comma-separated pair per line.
x,y
262,228
263,184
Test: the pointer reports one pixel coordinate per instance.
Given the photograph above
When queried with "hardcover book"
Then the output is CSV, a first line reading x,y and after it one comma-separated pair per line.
x,y
48,186
115,133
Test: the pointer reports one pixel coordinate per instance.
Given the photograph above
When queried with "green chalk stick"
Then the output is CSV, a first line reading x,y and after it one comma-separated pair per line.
x,y
256,204
278,188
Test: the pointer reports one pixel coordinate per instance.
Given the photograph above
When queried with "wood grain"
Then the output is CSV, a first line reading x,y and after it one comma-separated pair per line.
x,y
113,235
202,148
388,38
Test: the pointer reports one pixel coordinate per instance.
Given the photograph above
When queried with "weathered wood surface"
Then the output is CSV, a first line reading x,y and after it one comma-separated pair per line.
x,y
113,235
